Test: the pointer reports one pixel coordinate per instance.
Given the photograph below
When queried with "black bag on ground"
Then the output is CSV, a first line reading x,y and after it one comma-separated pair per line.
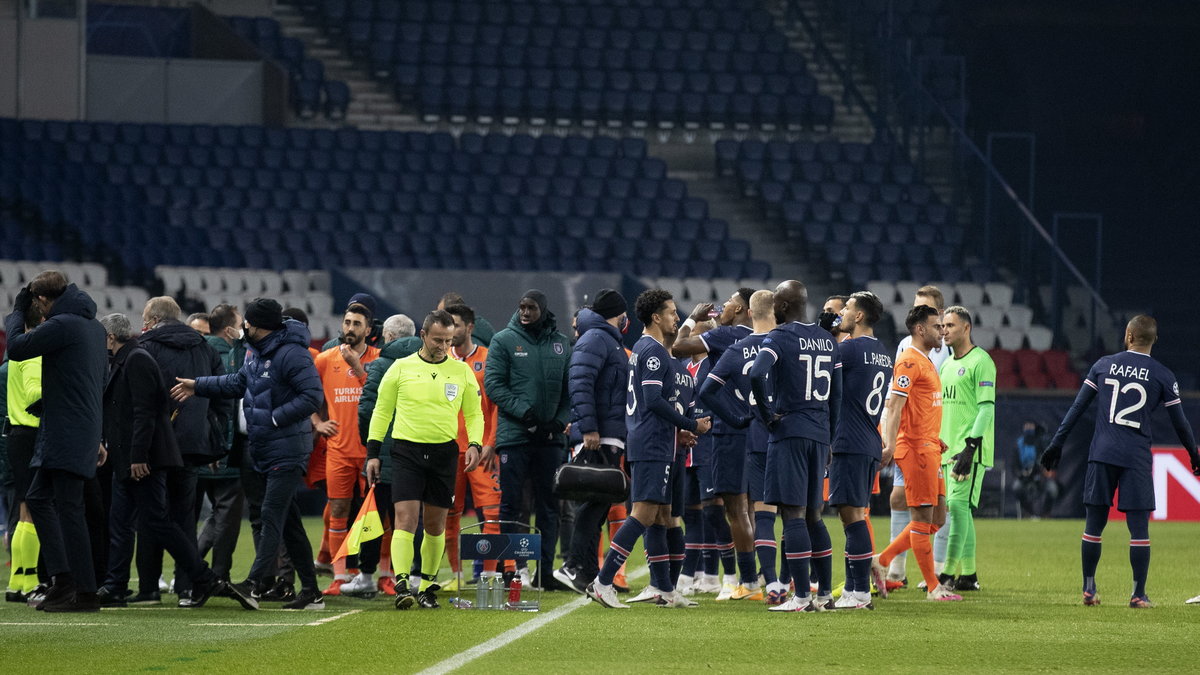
x,y
591,477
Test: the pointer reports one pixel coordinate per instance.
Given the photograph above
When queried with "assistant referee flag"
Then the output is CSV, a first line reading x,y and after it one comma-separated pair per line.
x,y
367,526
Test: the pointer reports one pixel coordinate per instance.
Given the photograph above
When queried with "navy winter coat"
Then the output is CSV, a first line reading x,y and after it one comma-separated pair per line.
x,y
598,378
199,424
280,389
74,371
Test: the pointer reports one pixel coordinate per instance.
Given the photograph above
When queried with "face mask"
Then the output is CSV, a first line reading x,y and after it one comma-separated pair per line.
x,y
240,334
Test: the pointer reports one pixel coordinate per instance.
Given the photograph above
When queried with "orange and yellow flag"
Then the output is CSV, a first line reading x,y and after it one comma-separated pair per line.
x,y
367,526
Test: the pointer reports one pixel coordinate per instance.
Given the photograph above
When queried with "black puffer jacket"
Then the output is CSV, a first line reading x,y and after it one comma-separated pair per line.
x,y
199,423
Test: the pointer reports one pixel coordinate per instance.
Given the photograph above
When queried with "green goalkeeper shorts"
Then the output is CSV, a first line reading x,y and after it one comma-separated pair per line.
x,y
968,489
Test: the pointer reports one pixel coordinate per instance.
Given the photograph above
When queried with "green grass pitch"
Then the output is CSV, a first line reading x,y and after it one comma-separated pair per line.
x,y
1028,617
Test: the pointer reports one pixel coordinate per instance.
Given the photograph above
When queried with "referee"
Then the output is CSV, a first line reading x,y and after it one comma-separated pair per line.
x,y
424,394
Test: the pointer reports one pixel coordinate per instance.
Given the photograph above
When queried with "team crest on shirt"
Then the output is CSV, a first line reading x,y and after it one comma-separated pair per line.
x,y
451,391
478,366
653,363
1175,388
558,348
903,381
962,371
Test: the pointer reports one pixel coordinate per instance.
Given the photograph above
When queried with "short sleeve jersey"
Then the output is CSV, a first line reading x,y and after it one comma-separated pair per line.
x,y
342,391
921,420
803,358
866,370
651,372
718,342
732,372
1130,386
967,383
700,454
682,392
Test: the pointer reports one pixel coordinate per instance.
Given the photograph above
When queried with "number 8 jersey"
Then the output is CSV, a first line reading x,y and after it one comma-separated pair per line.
x,y
866,371
1131,386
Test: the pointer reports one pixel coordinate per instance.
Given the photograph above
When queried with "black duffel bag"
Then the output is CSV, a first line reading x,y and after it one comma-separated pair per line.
x,y
591,477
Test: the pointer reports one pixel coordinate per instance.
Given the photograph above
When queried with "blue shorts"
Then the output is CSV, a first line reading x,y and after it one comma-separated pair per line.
x,y
729,464
850,479
756,476
698,485
651,481
1135,488
897,476
679,486
795,472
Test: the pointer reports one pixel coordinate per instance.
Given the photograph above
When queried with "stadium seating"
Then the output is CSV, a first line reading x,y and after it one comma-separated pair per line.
x,y
857,206
695,62
281,199
91,277
311,94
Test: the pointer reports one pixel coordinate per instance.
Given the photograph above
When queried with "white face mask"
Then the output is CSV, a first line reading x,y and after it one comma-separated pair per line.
x,y
240,334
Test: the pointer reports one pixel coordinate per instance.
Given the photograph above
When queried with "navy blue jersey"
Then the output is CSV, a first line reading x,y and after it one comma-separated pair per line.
x,y
866,371
732,372
700,454
717,340
682,394
1130,386
802,359
650,416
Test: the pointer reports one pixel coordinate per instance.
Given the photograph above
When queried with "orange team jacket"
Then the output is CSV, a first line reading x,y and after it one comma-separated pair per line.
x,y
477,359
915,377
342,391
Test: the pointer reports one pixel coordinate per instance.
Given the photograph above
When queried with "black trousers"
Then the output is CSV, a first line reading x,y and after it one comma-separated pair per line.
x,y
181,508
282,526
254,486
144,503
224,524
536,464
55,501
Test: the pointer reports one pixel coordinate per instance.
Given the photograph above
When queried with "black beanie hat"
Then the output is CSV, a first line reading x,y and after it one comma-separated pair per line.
x,y
264,313
609,304
536,296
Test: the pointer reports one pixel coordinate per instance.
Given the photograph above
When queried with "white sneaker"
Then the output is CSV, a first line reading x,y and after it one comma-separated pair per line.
x,y
727,590
648,594
707,584
362,584
685,585
942,594
854,600
822,603
675,600
1194,601
605,594
796,603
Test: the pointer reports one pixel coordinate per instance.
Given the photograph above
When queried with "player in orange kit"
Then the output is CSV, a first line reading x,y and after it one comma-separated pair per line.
x,y
343,373
485,479
912,435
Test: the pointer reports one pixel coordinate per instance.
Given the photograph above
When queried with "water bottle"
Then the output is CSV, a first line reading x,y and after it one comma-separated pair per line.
x,y
496,599
514,593
481,592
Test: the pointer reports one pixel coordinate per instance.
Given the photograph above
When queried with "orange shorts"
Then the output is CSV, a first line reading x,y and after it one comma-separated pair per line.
x,y
316,464
485,486
343,476
923,480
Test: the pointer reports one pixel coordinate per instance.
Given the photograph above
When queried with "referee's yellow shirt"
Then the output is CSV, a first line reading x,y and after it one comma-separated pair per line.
x,y
425,399
24,389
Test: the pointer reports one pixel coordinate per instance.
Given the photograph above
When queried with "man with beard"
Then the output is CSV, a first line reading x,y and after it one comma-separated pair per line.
x,y
343,373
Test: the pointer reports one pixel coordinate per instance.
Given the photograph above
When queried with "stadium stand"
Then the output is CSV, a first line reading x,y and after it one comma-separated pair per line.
x,y
716,63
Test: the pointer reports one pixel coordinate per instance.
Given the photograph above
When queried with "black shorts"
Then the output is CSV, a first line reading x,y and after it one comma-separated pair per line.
x,y
1134,488
21,442
424,472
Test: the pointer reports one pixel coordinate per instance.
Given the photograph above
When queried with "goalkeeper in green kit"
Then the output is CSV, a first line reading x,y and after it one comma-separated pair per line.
x,y
968,423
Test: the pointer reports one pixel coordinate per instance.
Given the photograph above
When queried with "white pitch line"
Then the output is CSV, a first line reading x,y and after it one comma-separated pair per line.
x,y
50,623
328,619
248,624
513,634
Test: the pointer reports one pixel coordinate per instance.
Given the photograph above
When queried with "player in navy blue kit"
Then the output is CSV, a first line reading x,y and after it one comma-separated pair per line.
x,y
727,393
700,335
1131,386
806,382
651,422
702,518
857,445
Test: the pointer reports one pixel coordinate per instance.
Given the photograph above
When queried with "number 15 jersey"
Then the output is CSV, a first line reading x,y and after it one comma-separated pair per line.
x,y
866,370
